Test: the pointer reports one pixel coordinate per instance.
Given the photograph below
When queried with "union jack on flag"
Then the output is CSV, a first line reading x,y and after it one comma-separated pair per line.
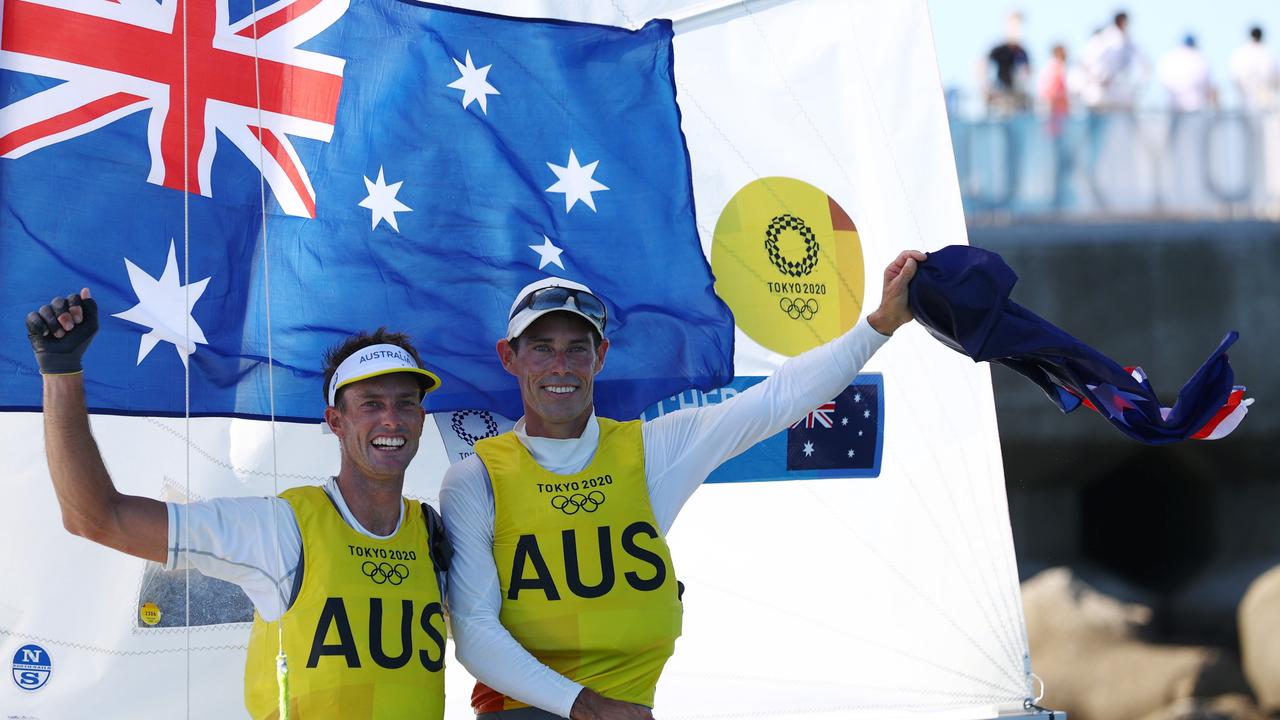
x,y
392,159
820,415
247,80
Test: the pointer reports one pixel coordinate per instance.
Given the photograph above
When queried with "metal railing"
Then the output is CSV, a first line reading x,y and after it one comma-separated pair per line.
x,y
1144,164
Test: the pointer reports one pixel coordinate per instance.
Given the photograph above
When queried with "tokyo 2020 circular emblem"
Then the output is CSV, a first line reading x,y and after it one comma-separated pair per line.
x,y
789,263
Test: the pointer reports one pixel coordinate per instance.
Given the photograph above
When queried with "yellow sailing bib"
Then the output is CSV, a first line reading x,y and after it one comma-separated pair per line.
x,y
587,581
365,637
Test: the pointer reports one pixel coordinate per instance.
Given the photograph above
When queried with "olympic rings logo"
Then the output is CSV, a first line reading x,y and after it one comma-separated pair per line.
x,y
383,572
798,308
571,504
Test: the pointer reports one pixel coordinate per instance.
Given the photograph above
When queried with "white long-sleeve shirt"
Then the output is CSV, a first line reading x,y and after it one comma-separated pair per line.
x,y
681,449
237,540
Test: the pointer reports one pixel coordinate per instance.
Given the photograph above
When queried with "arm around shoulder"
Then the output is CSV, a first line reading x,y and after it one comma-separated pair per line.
x,y
481,642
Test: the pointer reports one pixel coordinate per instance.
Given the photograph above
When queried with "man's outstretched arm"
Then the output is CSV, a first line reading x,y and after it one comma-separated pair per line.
x,y
91,506
683,447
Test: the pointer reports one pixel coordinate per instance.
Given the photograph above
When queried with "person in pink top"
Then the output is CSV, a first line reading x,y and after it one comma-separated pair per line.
x,y
1053,88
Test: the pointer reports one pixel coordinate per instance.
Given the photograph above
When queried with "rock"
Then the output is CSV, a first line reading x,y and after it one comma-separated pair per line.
x,y
1065,602
1259,621
1206,606
1224,707
1088,647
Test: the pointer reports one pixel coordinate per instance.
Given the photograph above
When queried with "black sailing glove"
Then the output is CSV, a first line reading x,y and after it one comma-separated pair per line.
x,y
61,355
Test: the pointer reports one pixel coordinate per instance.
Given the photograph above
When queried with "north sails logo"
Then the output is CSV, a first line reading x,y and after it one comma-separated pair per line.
x,y
31,667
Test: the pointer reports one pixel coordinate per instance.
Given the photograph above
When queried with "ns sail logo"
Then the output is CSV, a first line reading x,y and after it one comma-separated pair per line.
x,y
31,667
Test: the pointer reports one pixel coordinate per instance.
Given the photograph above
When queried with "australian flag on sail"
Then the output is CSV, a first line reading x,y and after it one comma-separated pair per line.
x,y
842,434
841,438
961,294
264,186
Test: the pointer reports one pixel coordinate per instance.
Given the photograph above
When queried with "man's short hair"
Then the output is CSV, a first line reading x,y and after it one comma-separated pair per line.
x,y
1121,18
1255,32
334,356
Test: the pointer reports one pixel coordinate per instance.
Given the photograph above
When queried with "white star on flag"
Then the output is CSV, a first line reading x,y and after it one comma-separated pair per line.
x,y
850,453
866,413
164,305
844,421
474,84
548,253
575,182
857,397
382,201
808,449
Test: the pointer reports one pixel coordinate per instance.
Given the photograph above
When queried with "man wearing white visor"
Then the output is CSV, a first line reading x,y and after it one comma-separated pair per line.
x,y
346,578
562,593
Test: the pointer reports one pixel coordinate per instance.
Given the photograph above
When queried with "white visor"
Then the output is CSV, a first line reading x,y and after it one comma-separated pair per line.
x,y
378,360
519,322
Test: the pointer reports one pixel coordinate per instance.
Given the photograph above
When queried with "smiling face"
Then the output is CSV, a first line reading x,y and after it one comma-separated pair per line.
x,y
378,423
555,361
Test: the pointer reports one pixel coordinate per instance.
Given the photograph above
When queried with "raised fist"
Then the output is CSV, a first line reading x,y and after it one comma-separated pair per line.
x,y
60,332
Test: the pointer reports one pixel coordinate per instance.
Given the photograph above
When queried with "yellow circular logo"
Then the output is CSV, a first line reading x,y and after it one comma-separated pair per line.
x,y
150,613
788,261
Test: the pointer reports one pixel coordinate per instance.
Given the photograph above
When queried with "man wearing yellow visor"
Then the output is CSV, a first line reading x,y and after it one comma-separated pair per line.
x,y
346,578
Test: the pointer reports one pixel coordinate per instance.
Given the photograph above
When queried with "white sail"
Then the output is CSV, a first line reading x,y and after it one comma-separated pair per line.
x,y
894,595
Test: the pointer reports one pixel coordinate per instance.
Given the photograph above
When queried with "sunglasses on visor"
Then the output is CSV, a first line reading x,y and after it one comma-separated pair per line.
x,y
555,298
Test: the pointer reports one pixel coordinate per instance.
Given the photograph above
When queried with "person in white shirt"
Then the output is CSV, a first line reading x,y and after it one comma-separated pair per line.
x,y
1256,73
1117,66
1089,71
365,545
543,636
1184,72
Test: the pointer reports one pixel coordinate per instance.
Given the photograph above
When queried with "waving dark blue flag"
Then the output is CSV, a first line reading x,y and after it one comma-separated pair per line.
x,y
418,164
961,295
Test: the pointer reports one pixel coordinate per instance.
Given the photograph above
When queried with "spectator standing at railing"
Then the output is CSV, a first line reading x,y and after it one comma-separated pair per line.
x,y
1053,88
1184,72
1053,94
1112,70
1256,73
1114,67
1089,69
1007,93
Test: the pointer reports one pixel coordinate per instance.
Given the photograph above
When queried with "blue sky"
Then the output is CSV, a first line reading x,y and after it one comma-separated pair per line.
x,y
964,30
